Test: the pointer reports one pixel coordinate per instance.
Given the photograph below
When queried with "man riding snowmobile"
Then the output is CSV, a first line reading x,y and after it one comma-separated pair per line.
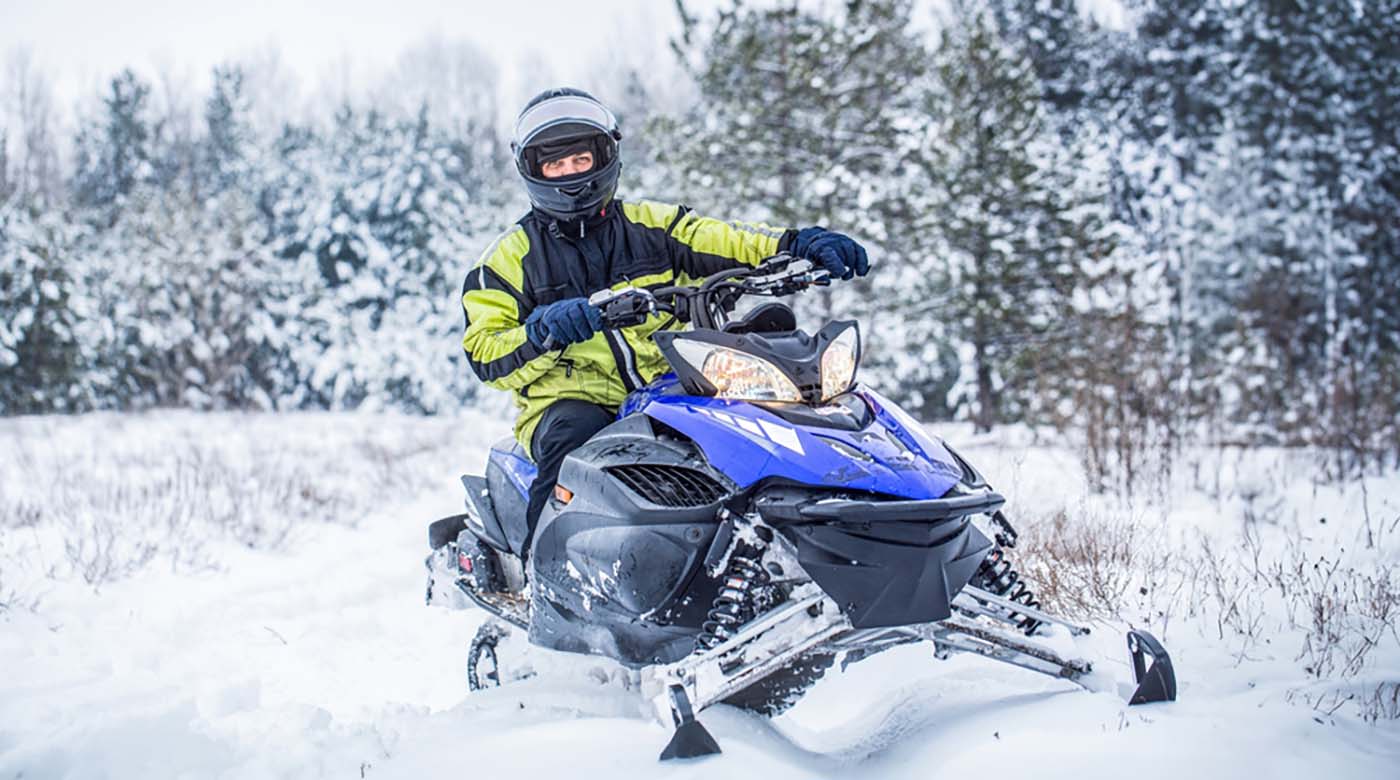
x,y
530,328
735,510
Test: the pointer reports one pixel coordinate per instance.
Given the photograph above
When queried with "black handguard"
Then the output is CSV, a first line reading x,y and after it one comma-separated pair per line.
x,y
623,308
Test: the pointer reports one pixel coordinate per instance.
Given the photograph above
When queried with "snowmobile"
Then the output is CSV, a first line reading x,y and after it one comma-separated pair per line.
x,y
746,520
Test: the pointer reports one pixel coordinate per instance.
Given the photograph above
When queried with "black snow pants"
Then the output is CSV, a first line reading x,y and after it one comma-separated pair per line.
x,y
563,426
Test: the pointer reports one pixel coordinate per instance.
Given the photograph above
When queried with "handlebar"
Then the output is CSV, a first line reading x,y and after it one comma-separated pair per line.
x,y
708,304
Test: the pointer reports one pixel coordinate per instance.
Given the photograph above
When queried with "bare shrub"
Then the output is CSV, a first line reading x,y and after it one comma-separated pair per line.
x,y
103,512
1097,565
99,552
1381,703
1371,703
1225,591
11,599
1345,613
1089,564
392,461
19,514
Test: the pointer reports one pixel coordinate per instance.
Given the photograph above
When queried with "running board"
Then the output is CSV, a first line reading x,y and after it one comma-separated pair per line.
x,y
508,607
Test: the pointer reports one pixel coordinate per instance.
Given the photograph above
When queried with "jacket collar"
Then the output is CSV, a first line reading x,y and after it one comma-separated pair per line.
x,y
574,229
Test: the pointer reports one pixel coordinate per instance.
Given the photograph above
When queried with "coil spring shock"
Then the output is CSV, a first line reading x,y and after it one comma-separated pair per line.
x,y
998,576
733,605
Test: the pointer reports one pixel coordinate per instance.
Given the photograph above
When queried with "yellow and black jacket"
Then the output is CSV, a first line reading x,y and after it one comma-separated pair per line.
x,y
638,244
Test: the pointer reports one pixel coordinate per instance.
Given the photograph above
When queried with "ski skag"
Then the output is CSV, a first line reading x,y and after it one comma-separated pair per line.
x,y
746,520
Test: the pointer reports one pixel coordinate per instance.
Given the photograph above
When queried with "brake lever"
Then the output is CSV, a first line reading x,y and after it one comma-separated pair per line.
x,y
790,282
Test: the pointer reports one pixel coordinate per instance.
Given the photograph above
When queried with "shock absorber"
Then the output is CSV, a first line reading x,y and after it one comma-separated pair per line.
x,y
734,604
997,575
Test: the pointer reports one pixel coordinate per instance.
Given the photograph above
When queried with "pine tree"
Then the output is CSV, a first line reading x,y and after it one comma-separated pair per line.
x,y
801,120
229,140
114,155
8,181
384,216
1320,103
988,152
41,356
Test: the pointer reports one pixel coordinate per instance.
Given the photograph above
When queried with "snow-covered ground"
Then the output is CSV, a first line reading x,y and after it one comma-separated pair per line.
x,y
230,596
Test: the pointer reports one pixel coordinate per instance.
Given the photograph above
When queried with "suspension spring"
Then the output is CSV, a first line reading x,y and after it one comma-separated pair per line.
x,y
734,604
997,575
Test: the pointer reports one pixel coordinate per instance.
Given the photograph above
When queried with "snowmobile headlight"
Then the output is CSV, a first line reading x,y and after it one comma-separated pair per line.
x,y
738,375
839,363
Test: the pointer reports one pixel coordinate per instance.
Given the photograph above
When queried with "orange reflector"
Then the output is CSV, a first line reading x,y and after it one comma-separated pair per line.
x,y
563,494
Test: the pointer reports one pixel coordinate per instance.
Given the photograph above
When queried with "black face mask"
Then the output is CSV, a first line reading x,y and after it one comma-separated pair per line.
x,y
536,155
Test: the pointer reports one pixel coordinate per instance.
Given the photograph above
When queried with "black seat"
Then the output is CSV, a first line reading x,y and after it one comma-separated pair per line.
x,y
507,501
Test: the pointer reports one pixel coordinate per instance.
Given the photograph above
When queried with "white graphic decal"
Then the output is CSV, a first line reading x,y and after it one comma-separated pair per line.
x,y
778,434
749,425
787,437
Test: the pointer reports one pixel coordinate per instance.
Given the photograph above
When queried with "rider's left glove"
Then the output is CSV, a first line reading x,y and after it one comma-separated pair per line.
x,y
563,322
838,253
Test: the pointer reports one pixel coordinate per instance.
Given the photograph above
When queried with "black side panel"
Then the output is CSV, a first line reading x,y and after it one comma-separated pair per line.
x,y
613,571
883,582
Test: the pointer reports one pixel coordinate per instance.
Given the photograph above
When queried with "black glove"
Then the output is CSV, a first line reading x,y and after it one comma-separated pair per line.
x,y
563,322
838,253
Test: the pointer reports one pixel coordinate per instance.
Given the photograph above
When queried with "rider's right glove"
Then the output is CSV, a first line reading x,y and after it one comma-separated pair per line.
x,y
563,322
838,253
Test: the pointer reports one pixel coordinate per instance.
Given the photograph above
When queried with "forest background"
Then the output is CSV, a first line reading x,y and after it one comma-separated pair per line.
x,y
1177,229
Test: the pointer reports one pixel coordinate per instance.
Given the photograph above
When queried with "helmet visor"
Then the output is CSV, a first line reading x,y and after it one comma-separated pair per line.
x,y
565,109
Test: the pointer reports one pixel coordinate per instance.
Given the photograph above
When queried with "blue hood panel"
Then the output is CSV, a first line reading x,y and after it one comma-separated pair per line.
x,y
896,456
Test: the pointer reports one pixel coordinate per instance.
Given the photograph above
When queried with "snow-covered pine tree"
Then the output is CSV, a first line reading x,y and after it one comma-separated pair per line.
x,y
386,211
44,301
113,180
113,149
1068,51
177,263
801,120
41,357
8,183
988,152
1320,104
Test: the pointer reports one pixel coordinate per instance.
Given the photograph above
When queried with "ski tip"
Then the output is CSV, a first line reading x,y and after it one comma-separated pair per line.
x,y
691,740
1152,669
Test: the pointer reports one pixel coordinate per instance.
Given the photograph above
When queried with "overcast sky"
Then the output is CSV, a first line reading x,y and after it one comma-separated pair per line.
x,y
80,44
333,47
